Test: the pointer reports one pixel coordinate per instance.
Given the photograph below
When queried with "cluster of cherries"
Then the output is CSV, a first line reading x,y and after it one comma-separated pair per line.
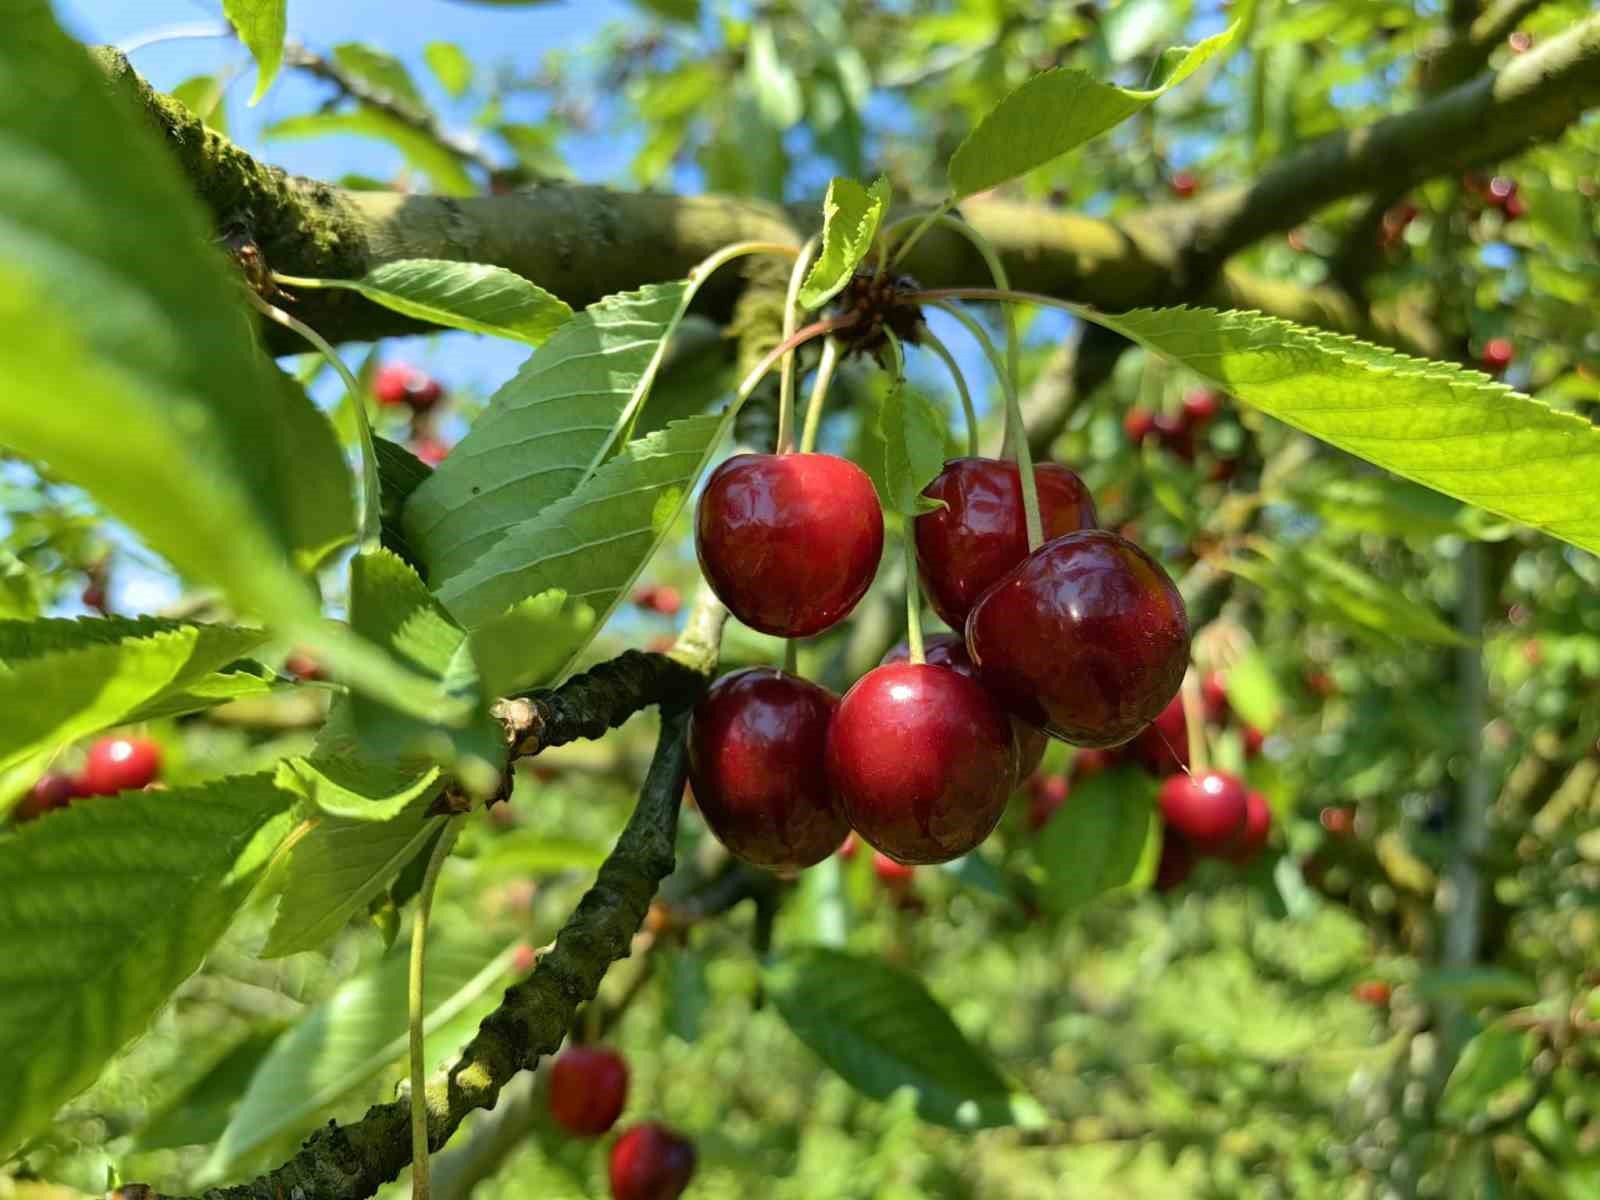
x,y
1084,638
1177,432
588,1089
112,765
399,385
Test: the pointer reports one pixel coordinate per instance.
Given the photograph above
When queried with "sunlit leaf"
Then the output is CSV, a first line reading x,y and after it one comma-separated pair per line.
x,y
851,215
260,25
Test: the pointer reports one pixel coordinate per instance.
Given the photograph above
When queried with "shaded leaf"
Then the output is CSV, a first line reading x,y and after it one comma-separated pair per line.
x,y
914,447
199,1113
1094,841
1489,1064
527,645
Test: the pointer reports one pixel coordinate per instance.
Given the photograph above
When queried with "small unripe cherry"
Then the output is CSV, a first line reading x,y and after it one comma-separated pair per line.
x,y
651,1162
1208,808
119,764
50,791
588,1089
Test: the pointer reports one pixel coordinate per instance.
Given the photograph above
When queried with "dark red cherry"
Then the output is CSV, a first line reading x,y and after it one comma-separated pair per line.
x,y
119,764
948,650
1252,839
1138,424
1175,434
1184,184
1254,740
756,745
651,1162
1175,863
1087,638
981,532
1162,747
1209,809
1341,822
400,384
1214,695
1201,405
891,874
789,542
1091,762
588,1088
50,791
923,760
1046,794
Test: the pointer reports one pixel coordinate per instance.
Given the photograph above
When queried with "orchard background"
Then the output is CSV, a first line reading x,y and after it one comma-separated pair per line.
x,y
302,678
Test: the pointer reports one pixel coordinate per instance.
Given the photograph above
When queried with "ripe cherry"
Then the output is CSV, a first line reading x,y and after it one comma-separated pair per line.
x,y
1175,863
789,542
981,533
651,1162
1139,424
400,384
1257,829
1176,435
923,760
119,764
1087,638
847,848
1162,747
303,667
1201,405
1497,354
588,1088
50,791
891,874
1091,762
1046,794
660,599
948,650
1254,740
1341,822
1371,991
1214,695
429,449
1184,184
756,740
1209,809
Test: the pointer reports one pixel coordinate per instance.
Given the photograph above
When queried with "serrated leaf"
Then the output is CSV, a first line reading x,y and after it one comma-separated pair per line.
x,y
527,645
878,1027
339,785
261,25
1490,1063
340,864
546,430
1058,111
62,680
1454,430
1253,693
400,473
199,1113
471,296
383,71
594,543
443,169
913,432
355,1034
1094,841
450,66
105,908
239,681
851,215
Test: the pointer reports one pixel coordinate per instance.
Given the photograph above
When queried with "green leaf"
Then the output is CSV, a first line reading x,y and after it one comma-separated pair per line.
x,y
526,853
687,994
355,1034
594,543
340,785
470,296
687,11
62,680
202,95
1454,430
400,473
341,864
914,444
528,644
1094,841
383,71
851,215
450,66
260,25
546,430
199,1113
105,909
878,1027
1055,112
772,80
1489,1064
1477,986
1253,693
447,173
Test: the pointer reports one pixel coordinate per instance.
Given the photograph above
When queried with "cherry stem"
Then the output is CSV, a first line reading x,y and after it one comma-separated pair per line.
x,y
922,224
420,1182
791,656
913,595
928,339
819,391
791,319
801,336
371,504
1016,435
1194,722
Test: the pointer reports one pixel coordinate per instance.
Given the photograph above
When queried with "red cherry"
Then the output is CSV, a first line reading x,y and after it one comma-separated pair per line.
x,y
651,1162
1257,829
429,449
1162,747
1515,207
303,667
1176,435
119,764
1320,683
1497,354
50,791
948,650
756,740
391,383
1214,695
1175,863
524,958
1501,189
1341,822
1138,424
1046,794
1254,740
425,392
848,847
923,760
890,873
789,542
981,533
1209,808
93,596
588,1087
1184,184
1201,405
1372,991
668,600
1087,638
1091,762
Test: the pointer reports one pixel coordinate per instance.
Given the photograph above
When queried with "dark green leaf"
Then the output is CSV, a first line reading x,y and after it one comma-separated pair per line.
x,y
914,447
1489,1064
1095,840
200,1112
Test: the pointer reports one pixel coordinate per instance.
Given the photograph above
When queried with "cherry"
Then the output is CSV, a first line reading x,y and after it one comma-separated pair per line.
x,y
399,384
948,650
1209,809
1501,189
94,596
1184,184
119,764
50,791
1201,405
429,449
847,848
1046,794
1341,822
981,532
1254,740
1497,354
1162,747
1175,863
588,1087
302,666
1176,435
1138,424
789,542
891,874
524,958
1087,638
661,599
755,742
1091,762
1515,208
1257,829
923,760
651,1162
1214,695
1371,991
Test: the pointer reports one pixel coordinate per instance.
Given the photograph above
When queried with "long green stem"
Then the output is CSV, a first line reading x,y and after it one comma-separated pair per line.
x,y
801,336
819,392
419,1068
791,320
921,226
928,339
371,512
913,591
1016,435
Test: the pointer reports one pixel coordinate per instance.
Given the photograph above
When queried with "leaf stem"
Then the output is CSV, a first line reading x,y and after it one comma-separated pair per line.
x,y
791,320
819,391
371,503
420,1183
932,342
1015,434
